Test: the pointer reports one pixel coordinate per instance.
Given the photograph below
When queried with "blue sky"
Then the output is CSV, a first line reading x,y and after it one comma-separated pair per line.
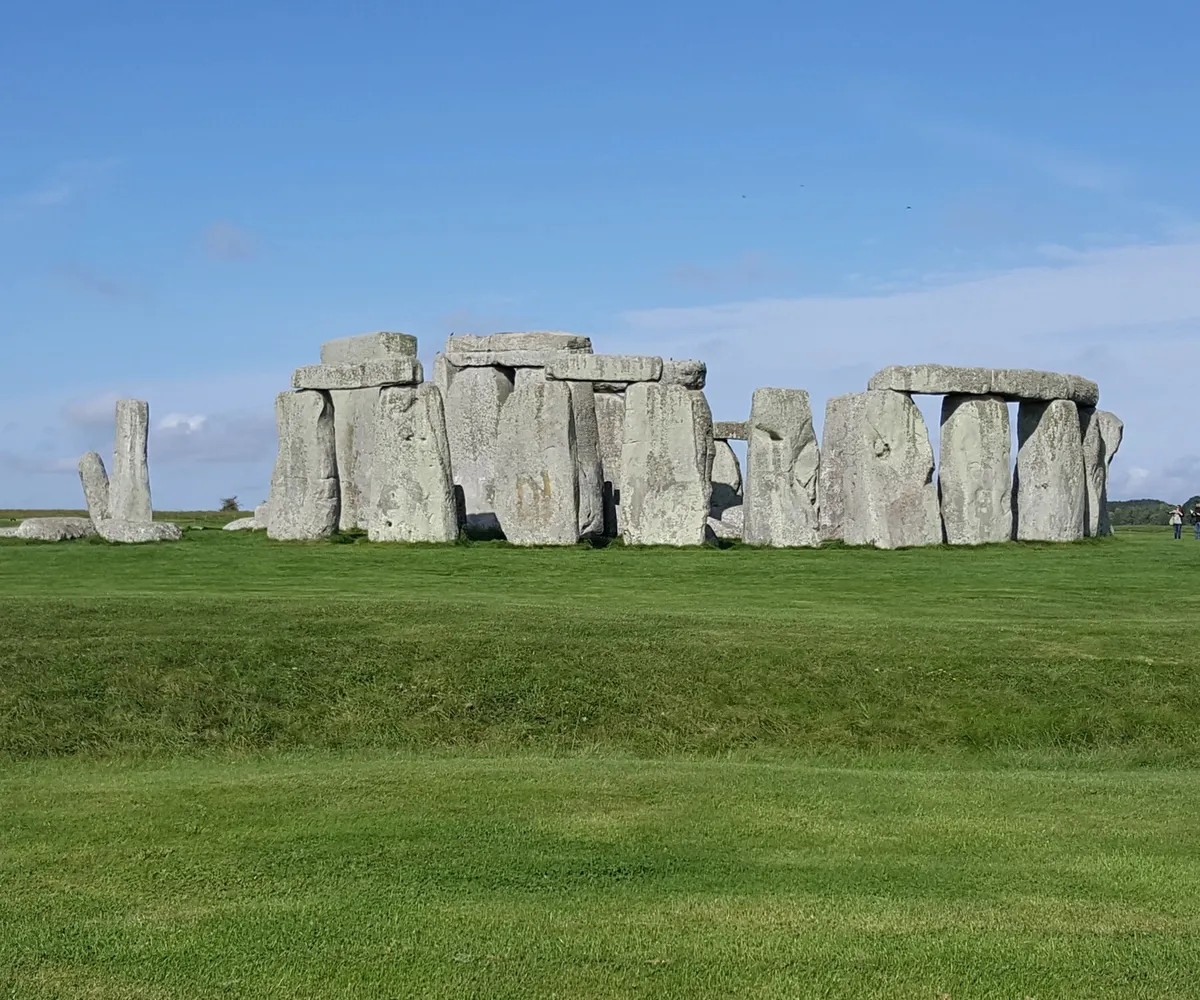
x,y
194,196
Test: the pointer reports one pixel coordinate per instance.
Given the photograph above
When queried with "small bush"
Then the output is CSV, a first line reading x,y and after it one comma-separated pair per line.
x,y
229,504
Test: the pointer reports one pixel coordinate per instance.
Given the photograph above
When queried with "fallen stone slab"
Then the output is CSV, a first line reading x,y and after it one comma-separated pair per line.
x,y
729,430
839,433
726,478
137,532
502,359
412,496
537,479
129,486
354,436
1051,492
888,490
608,369
472,410
305,496
368,347
54,529
359,375
689,374
243,524
1014,384
8,532
666,465
782,464
533,340
95,485
975,470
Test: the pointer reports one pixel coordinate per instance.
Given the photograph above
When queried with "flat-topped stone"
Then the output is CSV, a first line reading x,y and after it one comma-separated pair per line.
x,y
129,486
689,374
368,347
505,359
532,340
137,532
729,430
54,529
1014,384
579,367
359,375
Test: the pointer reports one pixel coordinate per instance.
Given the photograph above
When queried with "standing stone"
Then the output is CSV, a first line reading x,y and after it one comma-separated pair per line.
x,y
889,494
843,415
473,407
1050,482
129,488
354,432
304,486
537,478
587,458
1095,470
975,471
782,462
95,485
666,465
726,477
1112,432
610,423
412,490
443,375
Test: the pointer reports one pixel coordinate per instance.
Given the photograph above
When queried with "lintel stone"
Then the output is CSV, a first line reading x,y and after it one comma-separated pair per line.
x,y
359,375
578,367
368,347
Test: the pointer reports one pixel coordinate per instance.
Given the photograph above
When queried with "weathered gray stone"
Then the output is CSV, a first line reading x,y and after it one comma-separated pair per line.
x,y
359,375
1083,391
537,479
587,460
412,495
1013,384
243,524
1050,482
261,514
368,347
782,465
504,359
689,374
533,340
889,494
843,416
304,486
95,485
9,532
610,424
729,524
608,369
129,487
1112,432
54,529
975,470
354,434
443,374
472,422
726,477
666,465
137,532
1022,384
729,430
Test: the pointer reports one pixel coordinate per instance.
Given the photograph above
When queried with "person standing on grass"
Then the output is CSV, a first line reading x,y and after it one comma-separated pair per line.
x,y
1196,521
1177,521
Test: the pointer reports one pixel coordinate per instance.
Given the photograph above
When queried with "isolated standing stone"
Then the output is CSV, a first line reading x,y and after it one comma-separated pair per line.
x,y
412,496
473,408
610,423
1050,481
890,498
304,486
843,415
726,477
95,485
537,480
782,463
666,465
1112,431
354,432
975,471
587,459
129,488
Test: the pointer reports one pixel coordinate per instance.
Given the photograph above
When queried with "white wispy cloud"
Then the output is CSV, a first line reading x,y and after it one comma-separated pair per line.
x,y
60,186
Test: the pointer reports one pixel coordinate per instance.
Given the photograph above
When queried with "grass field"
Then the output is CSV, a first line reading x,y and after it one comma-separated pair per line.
x,y
243,769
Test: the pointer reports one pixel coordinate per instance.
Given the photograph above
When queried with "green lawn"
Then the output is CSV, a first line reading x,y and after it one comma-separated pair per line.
x,y
234,768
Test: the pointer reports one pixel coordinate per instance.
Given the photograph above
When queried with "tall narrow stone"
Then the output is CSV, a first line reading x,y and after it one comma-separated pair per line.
x,y
842,417
1112,432
975,471
589,468
1050,482
354,431
726,477
95,486
473,407
129,488
782,463
890,497
610,423
666,465
304,486
536,477
412,489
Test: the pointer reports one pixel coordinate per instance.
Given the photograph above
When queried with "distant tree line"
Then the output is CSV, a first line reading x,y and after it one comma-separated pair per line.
x,y
1145,511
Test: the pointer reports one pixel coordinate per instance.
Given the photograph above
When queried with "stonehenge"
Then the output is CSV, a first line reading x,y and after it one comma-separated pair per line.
x,y
305,498
1050,484
975,470
782,462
